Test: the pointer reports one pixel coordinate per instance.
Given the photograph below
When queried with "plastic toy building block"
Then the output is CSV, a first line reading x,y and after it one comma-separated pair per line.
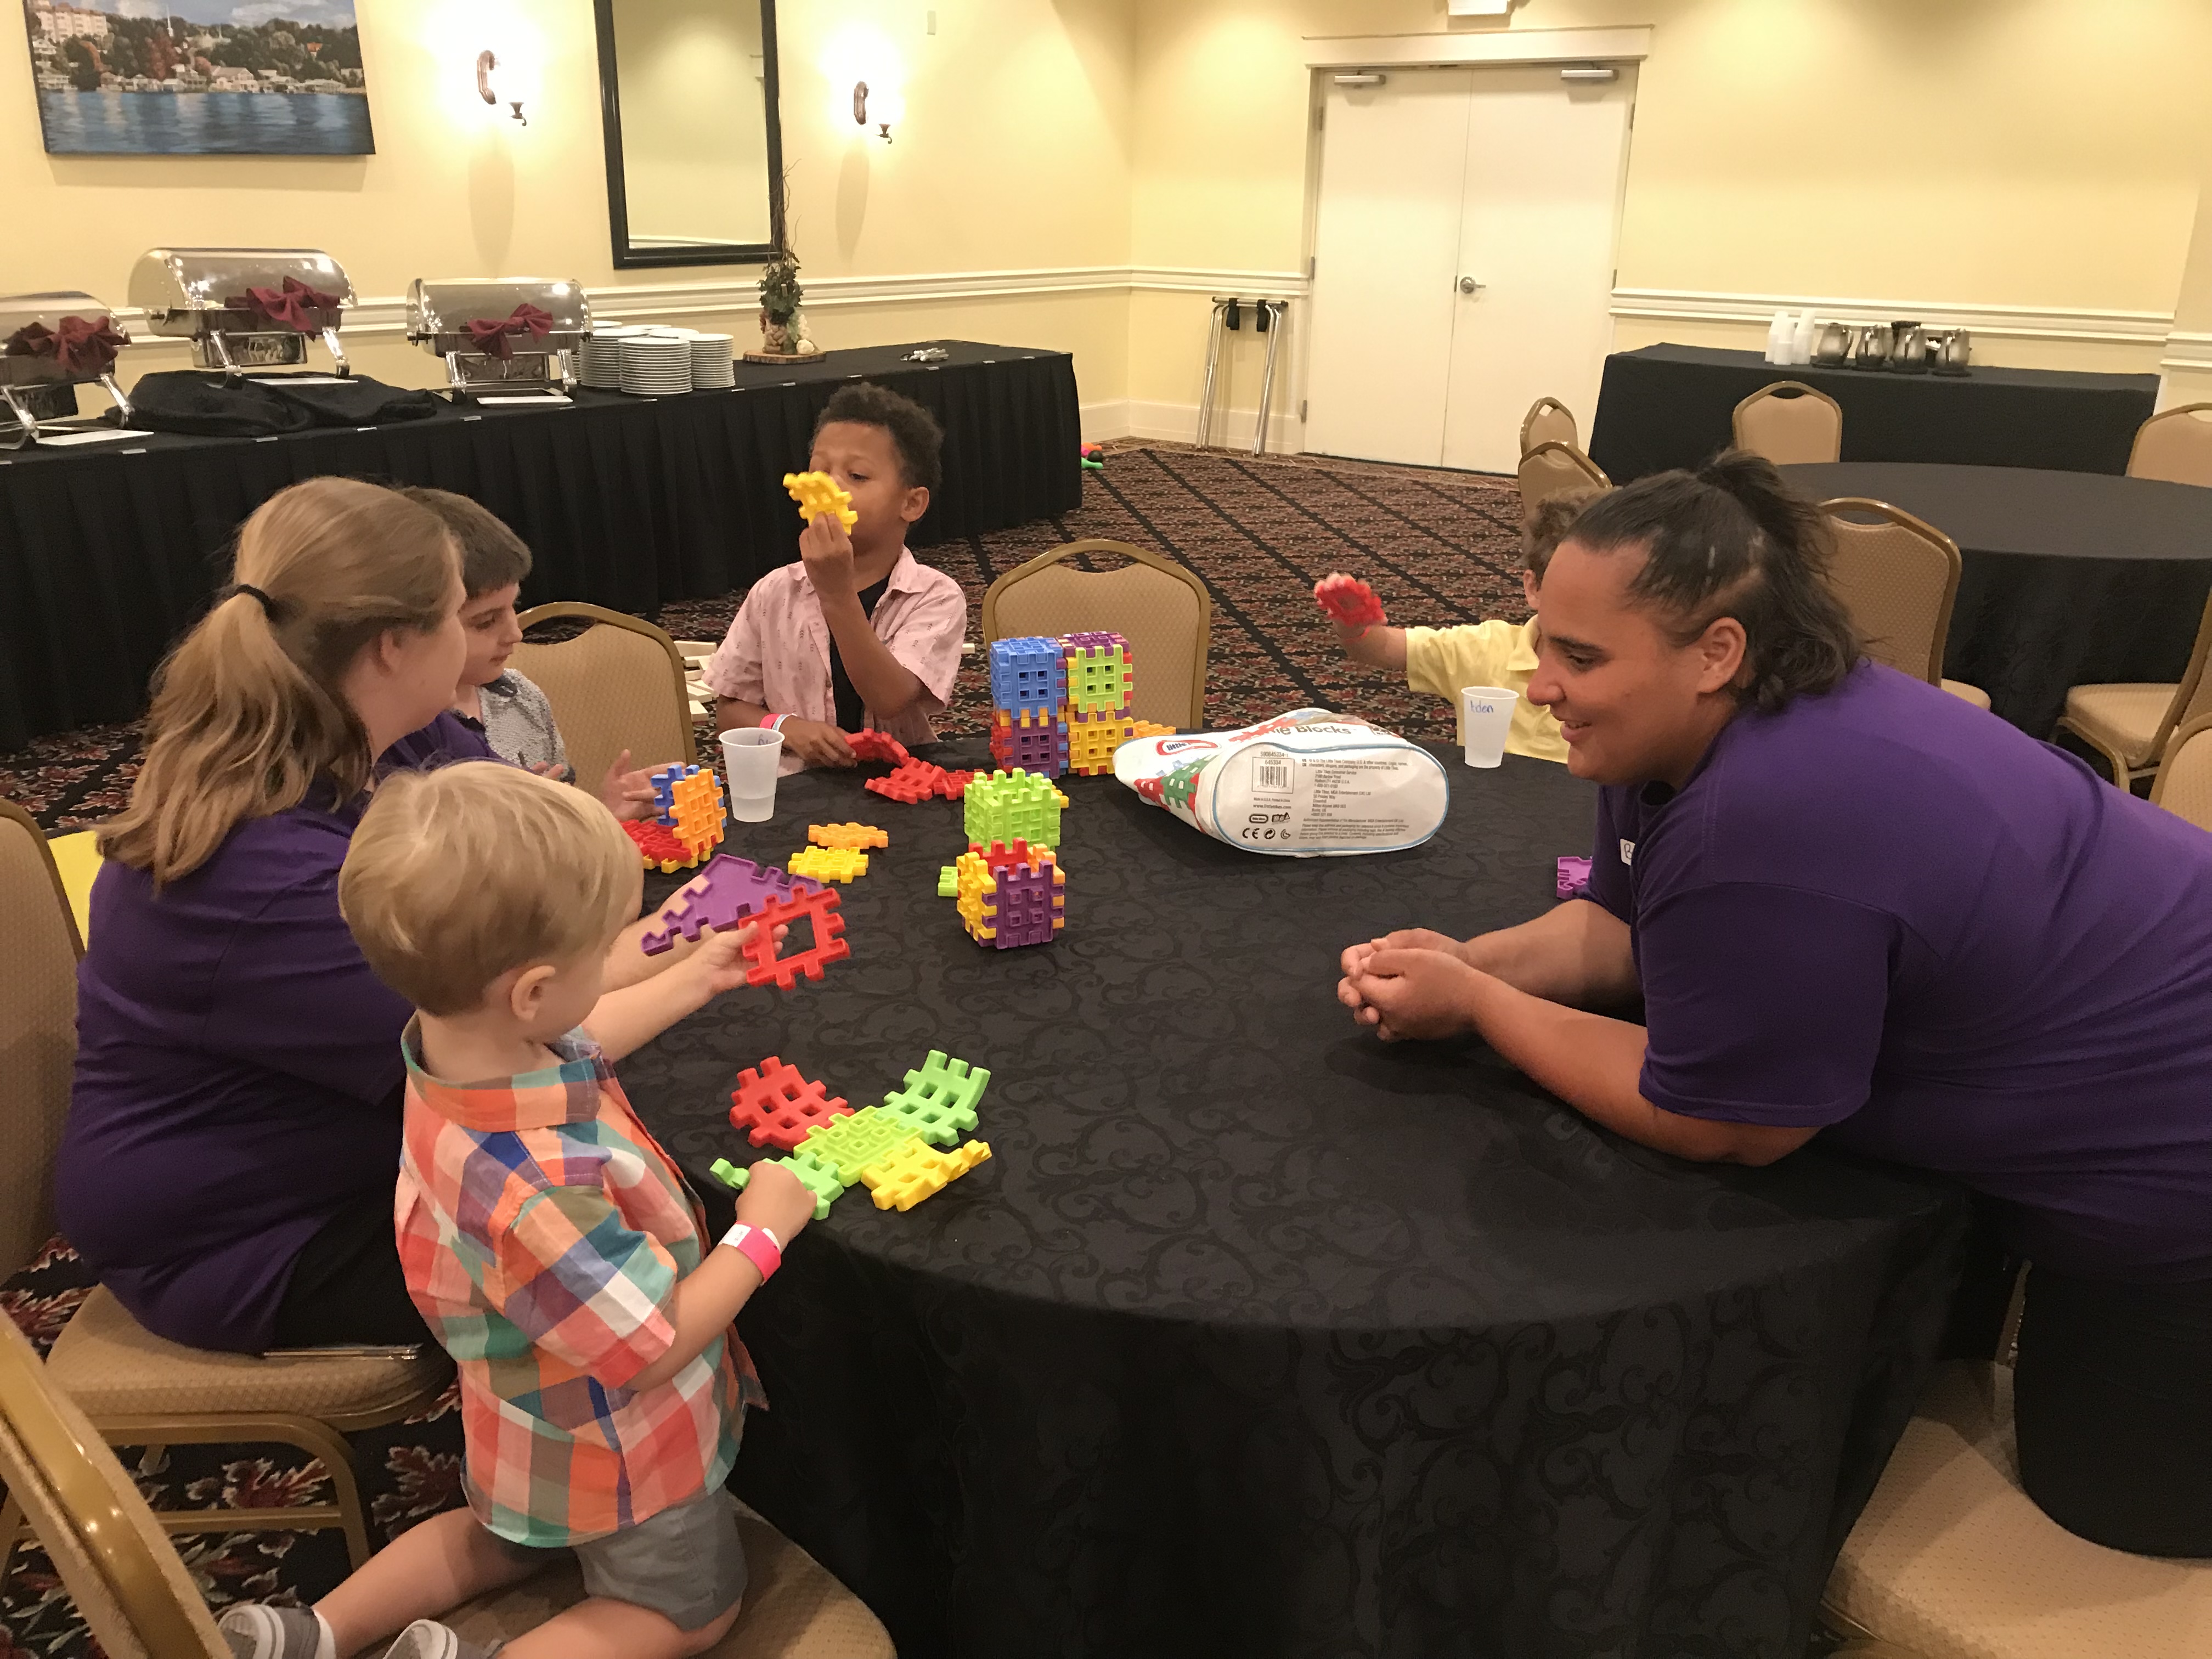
x,y
856,837
1348,601
658,846
1101,676
777,1107
827,863
1151,729
816,907
873,745
721,896
1014,806
918,780
1029,673
939,1100
690,802
1037,743
1092,739
948,882
954,784
817,493
1574,875
916,1171
818,1179
846,1145
1012,898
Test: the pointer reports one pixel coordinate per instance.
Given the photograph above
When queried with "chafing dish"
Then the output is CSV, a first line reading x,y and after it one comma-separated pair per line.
x,y
49,345
244,308
518,336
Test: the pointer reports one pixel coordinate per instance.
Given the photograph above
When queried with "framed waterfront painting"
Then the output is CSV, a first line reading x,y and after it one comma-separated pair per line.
x,y
199,77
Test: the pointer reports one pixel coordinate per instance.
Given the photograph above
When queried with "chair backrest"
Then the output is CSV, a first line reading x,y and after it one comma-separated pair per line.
x,y
2184,784
125,1577
1552,468
1162,608
1897,577
617,685
2175,444
38,1031
1789,422
1548,421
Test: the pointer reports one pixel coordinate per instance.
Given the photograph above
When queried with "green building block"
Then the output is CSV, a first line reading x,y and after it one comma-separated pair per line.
x,y
948,882
817,1177
940,1100
1011,806
851,1143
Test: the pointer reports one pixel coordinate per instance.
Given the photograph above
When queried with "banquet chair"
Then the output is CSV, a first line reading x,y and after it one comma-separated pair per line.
x,y
1548,420
139,1602
1951,1559
1160,607
2184,786
619,684
1898,578
1552,468
137,1389
1789,422
2174,444
2131,724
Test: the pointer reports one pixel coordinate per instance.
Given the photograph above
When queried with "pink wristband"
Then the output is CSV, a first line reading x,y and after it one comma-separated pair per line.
x,y
758,1246
773,722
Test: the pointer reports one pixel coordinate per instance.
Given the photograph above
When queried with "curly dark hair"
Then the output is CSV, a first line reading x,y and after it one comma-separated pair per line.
x,y
1731,540
915,431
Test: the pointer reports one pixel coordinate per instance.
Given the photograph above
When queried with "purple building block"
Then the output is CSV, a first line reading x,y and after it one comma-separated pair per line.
x,y
1024,908
719,897
1574,875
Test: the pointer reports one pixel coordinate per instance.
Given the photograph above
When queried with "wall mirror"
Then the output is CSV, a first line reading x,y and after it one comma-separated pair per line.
x,y
694,149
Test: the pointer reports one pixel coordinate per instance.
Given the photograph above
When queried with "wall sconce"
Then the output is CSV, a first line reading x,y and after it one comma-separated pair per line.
x,y
487,61
885,107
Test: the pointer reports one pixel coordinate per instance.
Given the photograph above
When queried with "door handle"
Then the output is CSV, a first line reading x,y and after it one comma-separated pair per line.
x,y
1468,285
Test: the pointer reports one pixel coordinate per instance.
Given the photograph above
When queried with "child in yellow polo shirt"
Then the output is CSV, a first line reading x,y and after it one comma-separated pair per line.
x,y
1494,653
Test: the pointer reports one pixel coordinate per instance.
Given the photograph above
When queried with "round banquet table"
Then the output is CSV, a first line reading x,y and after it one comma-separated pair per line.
x,y
1256,1336
2070,578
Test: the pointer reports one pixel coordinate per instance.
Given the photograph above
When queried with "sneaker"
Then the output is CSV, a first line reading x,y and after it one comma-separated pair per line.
x,y
256,1631
427,1640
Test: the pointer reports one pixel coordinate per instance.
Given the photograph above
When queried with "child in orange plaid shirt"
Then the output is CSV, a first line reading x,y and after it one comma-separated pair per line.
x,y
547,1237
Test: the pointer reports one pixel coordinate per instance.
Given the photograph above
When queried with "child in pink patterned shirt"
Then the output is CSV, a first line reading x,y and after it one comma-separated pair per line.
x,y
858,633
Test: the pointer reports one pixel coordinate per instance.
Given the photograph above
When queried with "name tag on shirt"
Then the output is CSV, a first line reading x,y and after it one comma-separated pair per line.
x,y
1627,852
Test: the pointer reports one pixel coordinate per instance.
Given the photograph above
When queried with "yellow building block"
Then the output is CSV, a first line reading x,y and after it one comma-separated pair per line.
x,y
817,493
855,837
827,863
914,1170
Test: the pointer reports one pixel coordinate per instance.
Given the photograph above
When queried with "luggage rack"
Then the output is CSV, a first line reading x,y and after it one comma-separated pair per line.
x,y
1268,317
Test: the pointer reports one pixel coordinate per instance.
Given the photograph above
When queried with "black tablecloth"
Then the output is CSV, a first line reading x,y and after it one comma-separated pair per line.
x,y
1670,406
1257,1336
2070,579
107,555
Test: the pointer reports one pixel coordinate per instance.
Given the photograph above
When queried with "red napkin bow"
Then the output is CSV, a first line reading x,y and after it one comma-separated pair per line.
x,y
80,345
490,334
293,305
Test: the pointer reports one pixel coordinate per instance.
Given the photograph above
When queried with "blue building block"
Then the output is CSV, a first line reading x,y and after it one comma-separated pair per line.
x,y
1029,674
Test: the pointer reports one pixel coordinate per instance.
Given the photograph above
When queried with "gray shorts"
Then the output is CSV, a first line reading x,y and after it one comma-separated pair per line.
x,y
685,1564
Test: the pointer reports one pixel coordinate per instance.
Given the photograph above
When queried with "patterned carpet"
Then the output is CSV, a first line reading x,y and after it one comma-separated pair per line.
x,y
1439,547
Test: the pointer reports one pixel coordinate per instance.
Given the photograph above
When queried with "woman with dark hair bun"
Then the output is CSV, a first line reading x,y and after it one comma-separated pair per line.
x,y
1855,905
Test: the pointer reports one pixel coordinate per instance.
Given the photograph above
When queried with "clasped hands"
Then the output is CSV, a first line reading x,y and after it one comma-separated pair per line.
x,y
1414,983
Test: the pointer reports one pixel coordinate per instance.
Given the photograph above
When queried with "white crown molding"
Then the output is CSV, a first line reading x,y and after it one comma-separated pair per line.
x,y
2187,349
1606,46
2024,322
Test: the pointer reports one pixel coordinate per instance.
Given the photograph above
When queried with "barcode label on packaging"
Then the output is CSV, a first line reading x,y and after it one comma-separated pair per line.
x,y
1274,776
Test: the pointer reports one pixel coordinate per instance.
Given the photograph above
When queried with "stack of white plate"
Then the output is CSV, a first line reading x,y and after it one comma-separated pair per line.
x,y
655,365
602,364
712,361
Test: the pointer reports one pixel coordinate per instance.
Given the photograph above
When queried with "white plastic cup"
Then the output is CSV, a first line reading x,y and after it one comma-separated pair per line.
x,y
1486,719
751,754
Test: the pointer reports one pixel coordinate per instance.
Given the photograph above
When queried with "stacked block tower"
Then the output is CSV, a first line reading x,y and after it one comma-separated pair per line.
x,y
1062,705
689,824
1011,897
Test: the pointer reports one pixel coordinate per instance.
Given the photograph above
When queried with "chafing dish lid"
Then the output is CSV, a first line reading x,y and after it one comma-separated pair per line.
x,y
17,310
439,307
168,280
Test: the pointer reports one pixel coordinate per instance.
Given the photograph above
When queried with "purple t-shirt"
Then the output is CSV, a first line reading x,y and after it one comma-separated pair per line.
x,y
1886,914
239,1077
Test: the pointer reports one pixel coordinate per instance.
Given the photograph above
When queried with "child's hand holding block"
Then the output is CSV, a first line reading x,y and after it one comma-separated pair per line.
x,y
1349,601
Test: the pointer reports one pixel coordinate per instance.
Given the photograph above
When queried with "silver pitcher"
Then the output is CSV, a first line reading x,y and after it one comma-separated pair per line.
x,y
1957,352
1908,351
1834,346
1874,342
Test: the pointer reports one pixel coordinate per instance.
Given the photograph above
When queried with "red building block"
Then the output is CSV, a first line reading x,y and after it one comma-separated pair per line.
x,y
874,745
1348,600
913,780
828,946
777,1107
954,784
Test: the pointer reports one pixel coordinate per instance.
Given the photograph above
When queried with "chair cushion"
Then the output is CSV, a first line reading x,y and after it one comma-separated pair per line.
x,y
2124,718
113,1366
1973,693
794,1609
1953,1560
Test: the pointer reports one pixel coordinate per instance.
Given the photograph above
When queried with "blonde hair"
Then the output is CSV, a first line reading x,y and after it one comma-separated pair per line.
x,y
458,875
248,711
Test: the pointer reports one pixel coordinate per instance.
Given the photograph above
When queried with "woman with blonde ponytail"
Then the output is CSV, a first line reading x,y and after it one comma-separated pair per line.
x,y
229,1161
